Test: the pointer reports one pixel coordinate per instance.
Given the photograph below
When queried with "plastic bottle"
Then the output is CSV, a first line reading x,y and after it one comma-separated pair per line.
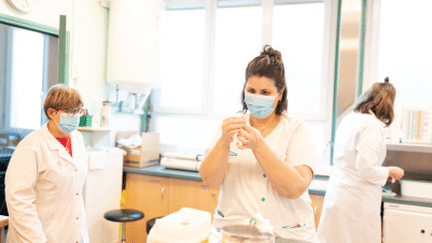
x,y
106,113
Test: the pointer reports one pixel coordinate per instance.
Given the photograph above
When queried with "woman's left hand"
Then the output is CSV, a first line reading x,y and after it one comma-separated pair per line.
x,y
249,137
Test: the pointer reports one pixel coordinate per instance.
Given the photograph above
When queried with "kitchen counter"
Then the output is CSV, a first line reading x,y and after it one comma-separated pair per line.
x,y
158,170
317,187
415,201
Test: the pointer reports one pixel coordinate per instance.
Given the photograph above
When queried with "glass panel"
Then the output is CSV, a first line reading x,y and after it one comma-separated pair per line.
x,y
298,35
27,79
182,38
405,49
238,41
186,132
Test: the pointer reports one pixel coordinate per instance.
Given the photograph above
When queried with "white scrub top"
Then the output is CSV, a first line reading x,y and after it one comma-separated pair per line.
x,y
351,209
246,191
44,190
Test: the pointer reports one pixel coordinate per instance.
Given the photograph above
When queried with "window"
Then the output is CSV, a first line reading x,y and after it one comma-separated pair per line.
x,y
298,34
401,49
27,71
233,34
30,63
238,40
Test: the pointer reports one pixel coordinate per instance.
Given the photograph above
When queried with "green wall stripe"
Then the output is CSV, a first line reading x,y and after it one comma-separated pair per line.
x,y
62,51
335,82
361,50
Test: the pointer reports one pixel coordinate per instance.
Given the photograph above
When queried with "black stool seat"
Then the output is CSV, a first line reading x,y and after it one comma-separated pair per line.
x,y
123,215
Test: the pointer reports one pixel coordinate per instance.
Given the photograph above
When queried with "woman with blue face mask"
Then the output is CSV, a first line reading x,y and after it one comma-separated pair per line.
x,y
46,175
263,159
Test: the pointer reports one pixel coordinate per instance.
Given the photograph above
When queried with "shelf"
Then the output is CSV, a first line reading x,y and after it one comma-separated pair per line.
x,y
422,148
94,129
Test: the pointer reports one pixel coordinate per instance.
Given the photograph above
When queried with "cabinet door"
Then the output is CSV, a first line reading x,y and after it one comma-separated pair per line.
x,y
407,227
193,194
317,204
150,194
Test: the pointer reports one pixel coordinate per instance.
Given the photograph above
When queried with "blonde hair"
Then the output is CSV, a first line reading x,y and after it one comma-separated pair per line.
x,y
61,97
379,99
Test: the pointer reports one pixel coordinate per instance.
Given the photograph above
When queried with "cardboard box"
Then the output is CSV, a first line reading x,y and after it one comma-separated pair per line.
x,y
145,155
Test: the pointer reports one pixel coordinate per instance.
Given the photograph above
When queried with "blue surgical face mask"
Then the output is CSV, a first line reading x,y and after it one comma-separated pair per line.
x,y
68,123
260,106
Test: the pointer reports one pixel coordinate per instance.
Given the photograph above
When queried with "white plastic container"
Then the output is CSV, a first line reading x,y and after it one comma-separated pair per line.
x,y
412,188
184,226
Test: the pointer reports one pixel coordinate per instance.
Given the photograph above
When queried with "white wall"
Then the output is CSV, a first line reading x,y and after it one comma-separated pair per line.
x,y
87,23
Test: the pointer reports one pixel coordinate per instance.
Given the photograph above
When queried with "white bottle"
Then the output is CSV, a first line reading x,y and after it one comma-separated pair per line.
x,y
106,113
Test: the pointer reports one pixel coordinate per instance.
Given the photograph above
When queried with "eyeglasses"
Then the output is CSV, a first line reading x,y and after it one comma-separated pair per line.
x,y
78,112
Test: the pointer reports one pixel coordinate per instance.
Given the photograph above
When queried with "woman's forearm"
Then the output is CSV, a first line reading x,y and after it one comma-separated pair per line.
x,y
289,181
215,164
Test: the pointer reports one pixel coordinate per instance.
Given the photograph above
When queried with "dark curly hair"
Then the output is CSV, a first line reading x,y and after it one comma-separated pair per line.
x,y
268,64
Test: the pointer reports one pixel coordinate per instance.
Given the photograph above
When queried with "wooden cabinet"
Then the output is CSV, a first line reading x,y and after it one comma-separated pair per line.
x,y
159,196
192,194
150,194
317,204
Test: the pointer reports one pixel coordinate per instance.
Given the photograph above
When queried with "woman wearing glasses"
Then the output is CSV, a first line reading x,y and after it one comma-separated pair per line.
x,y
46,174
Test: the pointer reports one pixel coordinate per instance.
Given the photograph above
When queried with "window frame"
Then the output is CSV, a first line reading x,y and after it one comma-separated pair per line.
x,y
63,71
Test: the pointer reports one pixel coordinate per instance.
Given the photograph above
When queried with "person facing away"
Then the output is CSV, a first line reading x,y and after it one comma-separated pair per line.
x,y
46,175
263,159
351,208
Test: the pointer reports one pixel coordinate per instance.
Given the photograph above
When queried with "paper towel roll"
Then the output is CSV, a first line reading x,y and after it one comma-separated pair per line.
x,y
196,157
180,164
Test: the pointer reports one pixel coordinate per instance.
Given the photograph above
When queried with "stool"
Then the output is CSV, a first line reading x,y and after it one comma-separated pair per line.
x,y
150,224
123,216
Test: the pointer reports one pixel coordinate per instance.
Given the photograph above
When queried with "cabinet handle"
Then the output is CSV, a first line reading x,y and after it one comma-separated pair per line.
x,y
162,192
156,181
212,194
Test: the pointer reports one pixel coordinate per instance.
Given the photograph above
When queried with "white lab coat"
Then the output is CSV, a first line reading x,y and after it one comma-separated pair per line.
x,y
246,191
44,190
351,209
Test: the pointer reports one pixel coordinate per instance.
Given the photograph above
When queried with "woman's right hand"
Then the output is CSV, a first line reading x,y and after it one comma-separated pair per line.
x,y
231,127
395,172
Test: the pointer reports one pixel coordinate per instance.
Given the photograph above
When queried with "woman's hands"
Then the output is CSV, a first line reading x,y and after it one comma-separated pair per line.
x,y
215,164
236,129
231,127
249,137
395,173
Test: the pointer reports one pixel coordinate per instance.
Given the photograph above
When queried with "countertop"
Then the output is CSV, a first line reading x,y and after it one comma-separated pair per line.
x,y
317,187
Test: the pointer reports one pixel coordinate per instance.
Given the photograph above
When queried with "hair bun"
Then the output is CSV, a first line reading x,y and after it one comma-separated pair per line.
x,y
386,80
268,50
